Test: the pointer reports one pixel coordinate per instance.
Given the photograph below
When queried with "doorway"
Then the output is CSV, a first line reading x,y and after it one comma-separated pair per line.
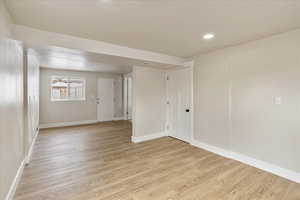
x,y
105,99
179,104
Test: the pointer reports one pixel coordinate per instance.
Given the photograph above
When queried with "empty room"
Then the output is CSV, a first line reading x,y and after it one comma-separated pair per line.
x,y
149,100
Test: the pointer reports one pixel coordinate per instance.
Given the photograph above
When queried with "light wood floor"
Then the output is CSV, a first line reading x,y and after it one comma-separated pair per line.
x,y
99,162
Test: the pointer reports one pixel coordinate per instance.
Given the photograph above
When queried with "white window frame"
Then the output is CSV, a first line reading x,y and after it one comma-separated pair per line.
x,y
69,98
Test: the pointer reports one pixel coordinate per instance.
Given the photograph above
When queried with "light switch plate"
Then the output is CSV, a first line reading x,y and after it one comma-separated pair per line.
x,y
277,100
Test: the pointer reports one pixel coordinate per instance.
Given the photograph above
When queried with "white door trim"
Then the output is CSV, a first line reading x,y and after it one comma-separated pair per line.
x,y
125,95
134,101
191,65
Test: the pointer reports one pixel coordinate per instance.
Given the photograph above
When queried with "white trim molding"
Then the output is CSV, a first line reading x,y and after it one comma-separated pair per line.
x,y
18,176
65,124
28,157
14,185
138,139
118,118
274,169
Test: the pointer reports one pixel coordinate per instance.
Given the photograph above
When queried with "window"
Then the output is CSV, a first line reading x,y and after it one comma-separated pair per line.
x,y
67,89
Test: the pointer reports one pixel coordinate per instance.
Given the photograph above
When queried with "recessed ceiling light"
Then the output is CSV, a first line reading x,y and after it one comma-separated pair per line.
x,y
208,36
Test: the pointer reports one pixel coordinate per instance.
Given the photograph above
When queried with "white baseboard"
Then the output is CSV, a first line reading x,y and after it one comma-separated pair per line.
x,y
274,169
65,124
18,176
118,118
13,187
28,157
138,139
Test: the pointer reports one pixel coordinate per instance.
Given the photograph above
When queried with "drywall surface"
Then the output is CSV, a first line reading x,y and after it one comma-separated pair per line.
x,y
40,37
118,97
31,98
5,21
149,101
73,111
11,104
247,99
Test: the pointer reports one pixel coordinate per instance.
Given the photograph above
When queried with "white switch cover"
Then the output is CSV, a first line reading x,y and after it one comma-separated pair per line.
x,y
277,100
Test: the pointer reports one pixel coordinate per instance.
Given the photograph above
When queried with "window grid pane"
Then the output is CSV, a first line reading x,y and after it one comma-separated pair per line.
x,y
65,88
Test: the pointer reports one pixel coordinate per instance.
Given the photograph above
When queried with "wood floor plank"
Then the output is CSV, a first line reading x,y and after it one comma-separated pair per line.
x,y
99,162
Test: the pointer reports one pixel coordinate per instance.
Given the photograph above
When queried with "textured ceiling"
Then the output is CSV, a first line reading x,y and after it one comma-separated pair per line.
x,y
173,27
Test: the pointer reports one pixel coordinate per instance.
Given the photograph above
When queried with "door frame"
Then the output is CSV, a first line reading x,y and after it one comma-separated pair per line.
x,y
125,95
189,64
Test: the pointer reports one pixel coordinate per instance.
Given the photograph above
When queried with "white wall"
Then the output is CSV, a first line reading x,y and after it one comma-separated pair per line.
x,y
127,96
74,111
31,99
118,97
234,91
11,104
149,101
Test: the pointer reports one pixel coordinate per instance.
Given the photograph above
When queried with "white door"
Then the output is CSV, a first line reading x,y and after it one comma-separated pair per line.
x,y
129,98
105,100
179,93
